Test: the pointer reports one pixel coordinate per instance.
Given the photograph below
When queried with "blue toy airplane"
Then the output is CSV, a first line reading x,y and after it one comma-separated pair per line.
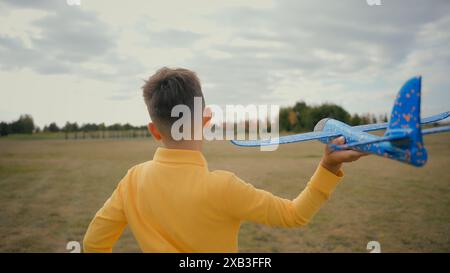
x,y
402,140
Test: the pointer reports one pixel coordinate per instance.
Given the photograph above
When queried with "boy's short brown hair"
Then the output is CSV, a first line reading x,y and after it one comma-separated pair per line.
x,y
167,88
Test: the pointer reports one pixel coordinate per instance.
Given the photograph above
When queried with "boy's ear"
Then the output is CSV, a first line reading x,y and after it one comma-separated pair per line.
x,y
154,131
206,120
207,116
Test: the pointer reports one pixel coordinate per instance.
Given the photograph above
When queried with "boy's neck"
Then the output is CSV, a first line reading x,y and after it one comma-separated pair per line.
x,y
194,145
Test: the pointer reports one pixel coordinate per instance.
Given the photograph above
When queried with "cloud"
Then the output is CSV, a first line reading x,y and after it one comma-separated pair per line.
x,y
275,52
303,47
73,36
66,40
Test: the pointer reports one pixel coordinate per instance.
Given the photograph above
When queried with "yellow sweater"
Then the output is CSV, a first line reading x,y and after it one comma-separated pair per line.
x,y
175,204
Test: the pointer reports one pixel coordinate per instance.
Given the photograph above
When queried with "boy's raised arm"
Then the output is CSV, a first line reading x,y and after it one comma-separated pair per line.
x,y
107,225
245,202
248,203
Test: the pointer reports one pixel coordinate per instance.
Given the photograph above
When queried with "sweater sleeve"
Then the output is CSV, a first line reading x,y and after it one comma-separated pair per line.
x,y
245,202
108,223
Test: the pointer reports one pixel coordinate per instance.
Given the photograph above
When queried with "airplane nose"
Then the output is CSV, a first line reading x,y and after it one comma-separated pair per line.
x,y
320,125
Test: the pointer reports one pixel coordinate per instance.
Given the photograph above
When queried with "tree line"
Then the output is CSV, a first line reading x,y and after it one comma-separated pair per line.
x,y
297,118
303,117
25,125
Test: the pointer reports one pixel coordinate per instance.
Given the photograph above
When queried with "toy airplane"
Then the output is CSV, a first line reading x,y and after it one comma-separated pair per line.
x,y
402,140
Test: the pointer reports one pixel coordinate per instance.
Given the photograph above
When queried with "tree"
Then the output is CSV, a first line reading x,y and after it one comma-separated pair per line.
x,y
365,118
302,117
355,120
89,127
127,126
115,127
301,110
326,111
373,118
70,127
53,127
284,119
292,118
24,125
102,126
4,129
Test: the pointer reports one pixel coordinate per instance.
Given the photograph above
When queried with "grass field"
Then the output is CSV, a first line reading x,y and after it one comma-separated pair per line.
x,y
50,190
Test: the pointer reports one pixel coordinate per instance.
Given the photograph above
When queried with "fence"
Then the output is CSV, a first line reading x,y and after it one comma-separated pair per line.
x,y
107,134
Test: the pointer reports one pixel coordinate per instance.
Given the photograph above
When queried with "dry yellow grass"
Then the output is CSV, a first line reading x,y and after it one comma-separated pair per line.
x,y
50,189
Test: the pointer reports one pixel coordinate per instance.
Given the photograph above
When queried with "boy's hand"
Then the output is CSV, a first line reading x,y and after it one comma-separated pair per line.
x,y
332,160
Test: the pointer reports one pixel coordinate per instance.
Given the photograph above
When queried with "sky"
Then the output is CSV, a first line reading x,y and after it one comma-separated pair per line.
x,y
87,63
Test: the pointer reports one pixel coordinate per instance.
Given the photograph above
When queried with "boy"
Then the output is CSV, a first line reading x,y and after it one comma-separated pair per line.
x,y
175,204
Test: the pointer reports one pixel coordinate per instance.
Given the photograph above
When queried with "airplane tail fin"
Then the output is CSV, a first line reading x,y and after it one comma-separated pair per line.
x,y
405,117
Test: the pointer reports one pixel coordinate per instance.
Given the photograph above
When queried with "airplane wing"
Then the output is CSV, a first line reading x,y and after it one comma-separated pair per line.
x,y
436,130
285,139
320,135
381,126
